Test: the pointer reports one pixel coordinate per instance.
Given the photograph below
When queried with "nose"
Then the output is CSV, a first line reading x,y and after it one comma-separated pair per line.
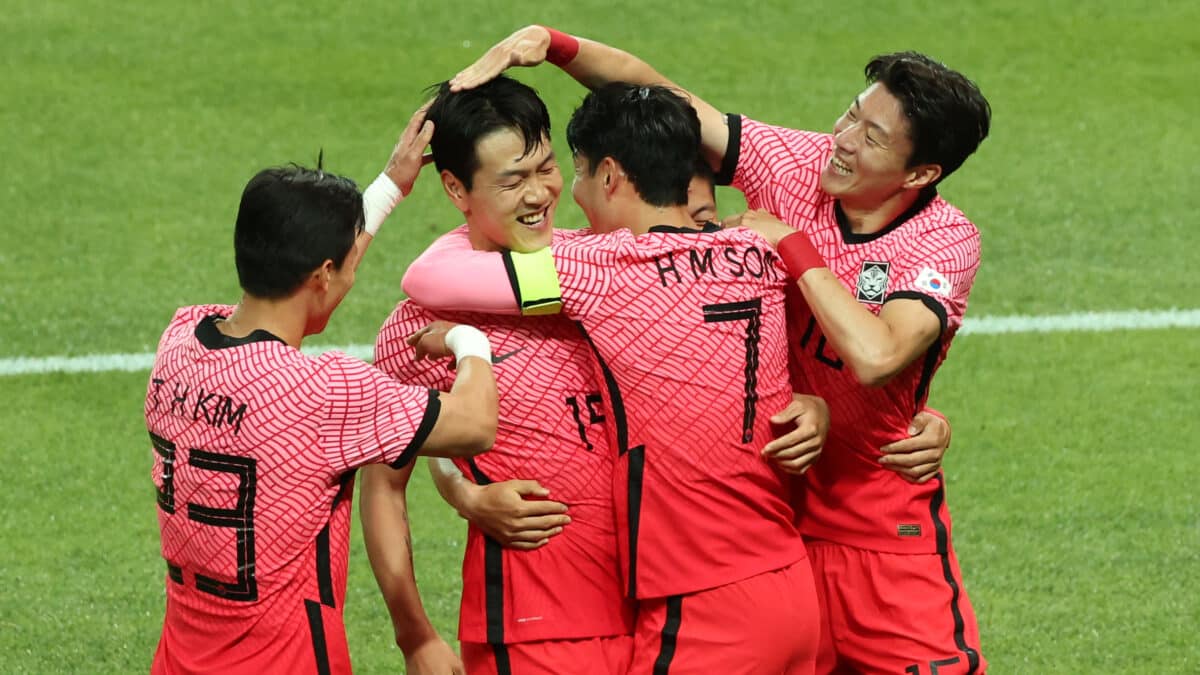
x,y
538,192
848,137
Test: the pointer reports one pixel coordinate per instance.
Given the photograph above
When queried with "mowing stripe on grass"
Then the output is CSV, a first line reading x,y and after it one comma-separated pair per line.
x,y
984,325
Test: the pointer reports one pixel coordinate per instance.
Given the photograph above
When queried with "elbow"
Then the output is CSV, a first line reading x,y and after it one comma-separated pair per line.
x,y
873,371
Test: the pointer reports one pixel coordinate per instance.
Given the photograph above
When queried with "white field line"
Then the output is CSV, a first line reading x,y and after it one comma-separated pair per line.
x,y
984,325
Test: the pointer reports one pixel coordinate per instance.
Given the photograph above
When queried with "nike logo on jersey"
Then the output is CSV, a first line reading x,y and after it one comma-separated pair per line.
x,y
501,357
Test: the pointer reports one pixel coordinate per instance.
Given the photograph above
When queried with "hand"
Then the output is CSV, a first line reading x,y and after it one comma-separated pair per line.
x,y
433,657
796,451
430,341
919,457
768,226
526,47
515,513
409,154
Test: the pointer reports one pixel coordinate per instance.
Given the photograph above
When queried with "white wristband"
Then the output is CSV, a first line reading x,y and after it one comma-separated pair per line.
x,y
467,341
380,197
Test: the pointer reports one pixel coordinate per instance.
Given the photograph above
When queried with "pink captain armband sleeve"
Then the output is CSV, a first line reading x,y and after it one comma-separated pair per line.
x,y
452,276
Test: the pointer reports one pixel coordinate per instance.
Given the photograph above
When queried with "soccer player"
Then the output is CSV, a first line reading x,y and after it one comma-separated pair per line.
x,y
256,444
884,266
537,610
687,325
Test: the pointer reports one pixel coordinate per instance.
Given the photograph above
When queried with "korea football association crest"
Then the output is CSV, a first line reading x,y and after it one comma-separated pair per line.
x,y
872,282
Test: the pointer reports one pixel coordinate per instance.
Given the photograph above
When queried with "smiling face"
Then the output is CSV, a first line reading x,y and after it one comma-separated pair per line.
x,y
513,195
872,146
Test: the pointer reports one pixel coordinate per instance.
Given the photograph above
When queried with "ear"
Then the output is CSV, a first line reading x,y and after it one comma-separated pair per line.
x,y
455,190
611,174
922,175
319,279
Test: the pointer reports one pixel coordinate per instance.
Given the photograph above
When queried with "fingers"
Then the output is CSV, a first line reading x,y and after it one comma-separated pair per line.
x,y
911,459
541,523
794,411
800,464
530,488
907,445
918,474
800,440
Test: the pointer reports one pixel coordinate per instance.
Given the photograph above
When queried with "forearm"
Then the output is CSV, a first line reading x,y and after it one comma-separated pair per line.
x,y
384,514
450,482
863,341
466,422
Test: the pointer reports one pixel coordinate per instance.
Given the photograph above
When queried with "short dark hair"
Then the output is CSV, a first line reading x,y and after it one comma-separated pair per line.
x,y
653,132
291,220
461,118
948,116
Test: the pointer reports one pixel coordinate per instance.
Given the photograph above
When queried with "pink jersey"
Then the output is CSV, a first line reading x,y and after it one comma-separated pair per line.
x,y
255,447
551,429
930,254
689,333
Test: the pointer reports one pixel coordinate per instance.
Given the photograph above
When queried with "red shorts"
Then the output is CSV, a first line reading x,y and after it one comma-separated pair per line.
x,y
765,624
893,613
587,656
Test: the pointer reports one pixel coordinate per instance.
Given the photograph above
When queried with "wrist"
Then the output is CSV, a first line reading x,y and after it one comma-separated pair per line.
x,y
798,254
380,197
466,341
563,47
415,637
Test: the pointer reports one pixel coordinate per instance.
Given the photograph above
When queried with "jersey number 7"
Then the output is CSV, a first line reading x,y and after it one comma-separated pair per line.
x,y
749,311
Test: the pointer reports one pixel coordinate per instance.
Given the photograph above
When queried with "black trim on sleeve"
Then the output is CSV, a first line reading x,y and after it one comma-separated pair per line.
x,y
931,355
733,149
943,549
670,635
175,573
927,195
316,626
511,271
432,410
324,569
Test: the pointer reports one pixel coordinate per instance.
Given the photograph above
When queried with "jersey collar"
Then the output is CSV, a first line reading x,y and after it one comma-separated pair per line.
x,y
212,338
927,195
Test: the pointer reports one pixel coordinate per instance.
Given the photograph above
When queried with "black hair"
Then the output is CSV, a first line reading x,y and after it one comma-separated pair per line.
x,y
652,132
460,119
291,220
948,116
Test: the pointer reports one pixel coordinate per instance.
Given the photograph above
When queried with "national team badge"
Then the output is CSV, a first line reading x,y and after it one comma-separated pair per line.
x,y
933,281
872,282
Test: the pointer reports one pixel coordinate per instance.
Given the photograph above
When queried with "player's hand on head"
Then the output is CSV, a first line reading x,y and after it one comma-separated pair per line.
x,y
804,426
409,154
918,458
768,226
516,513
526,47
433,657
430,341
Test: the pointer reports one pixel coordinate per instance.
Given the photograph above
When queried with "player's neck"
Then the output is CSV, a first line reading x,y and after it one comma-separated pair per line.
x,y
285,319
867,218
641,216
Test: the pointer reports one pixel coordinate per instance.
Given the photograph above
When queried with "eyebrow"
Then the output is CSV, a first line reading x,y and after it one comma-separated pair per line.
x,y
886,135
521,173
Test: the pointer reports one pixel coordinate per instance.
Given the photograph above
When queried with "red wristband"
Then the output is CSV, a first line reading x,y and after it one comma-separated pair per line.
x,y
563,47
798,254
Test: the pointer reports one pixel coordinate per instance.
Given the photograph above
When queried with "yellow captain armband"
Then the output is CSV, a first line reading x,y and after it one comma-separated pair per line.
x,y
535,281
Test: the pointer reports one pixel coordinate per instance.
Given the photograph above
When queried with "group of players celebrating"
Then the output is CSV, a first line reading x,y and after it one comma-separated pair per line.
x,y
681,446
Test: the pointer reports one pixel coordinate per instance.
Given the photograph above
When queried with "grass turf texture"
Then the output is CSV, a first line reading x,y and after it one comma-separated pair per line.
x,y
131,129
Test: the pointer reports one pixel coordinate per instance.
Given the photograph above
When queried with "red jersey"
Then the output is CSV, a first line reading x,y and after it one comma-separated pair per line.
x,y
689,333
929,253
255,447
551,429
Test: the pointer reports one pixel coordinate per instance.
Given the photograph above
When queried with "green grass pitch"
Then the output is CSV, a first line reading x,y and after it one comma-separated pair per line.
x,y
130,128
